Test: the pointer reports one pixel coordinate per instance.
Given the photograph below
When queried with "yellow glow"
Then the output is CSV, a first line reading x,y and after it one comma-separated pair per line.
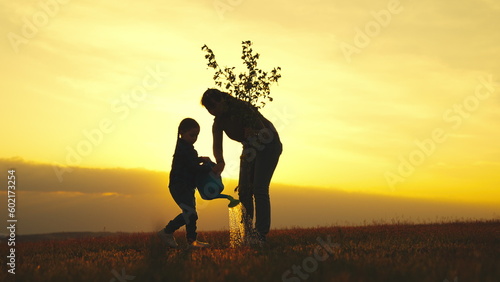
x,y
105,85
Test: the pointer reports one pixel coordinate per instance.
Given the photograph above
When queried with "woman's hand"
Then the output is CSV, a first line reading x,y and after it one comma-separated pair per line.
x,y
218,168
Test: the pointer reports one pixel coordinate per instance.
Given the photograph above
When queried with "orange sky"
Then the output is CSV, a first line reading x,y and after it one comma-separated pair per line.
x,y
386,97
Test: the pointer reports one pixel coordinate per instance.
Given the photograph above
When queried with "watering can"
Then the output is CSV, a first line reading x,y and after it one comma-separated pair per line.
x,y
210,186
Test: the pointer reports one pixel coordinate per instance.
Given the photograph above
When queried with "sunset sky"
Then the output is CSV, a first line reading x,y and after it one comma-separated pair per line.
x,y
399,98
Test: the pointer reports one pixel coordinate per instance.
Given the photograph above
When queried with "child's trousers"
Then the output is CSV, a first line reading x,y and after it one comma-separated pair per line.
x,y
184,197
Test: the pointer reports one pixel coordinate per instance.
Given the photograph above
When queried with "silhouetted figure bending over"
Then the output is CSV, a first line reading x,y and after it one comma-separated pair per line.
x,y
261,151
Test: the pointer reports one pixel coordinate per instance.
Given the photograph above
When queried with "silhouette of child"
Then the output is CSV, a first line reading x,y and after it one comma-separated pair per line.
x,y
185,165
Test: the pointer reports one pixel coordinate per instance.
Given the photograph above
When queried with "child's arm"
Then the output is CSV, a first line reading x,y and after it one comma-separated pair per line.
x,y
187,158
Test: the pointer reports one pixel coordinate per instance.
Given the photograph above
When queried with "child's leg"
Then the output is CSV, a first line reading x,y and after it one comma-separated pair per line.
x,y
186,201
190,216
175,224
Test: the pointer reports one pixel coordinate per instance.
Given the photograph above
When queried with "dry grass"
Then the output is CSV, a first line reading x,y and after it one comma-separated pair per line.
x,y
468,251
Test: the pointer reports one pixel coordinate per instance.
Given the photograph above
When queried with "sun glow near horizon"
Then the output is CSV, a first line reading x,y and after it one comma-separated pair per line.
x,y
105,85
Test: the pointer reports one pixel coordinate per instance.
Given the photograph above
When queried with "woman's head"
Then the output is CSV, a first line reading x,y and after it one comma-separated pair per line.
x,y
214,101
188,130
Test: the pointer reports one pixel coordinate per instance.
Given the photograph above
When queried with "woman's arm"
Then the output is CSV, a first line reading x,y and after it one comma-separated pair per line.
x,y
217,148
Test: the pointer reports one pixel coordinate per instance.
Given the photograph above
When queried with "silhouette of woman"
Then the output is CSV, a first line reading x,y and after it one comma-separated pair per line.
x,y
261,151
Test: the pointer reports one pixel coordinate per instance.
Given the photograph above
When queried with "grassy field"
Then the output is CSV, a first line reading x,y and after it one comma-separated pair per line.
x,y
462,251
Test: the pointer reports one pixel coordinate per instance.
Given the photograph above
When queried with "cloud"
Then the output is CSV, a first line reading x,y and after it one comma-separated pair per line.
x,y
36,177
134,200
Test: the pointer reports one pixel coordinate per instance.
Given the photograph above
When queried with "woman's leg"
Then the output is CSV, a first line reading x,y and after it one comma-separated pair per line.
x,y
245,191
265,164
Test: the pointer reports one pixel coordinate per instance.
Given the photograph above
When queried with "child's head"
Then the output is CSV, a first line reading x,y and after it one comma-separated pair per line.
x,y
188,130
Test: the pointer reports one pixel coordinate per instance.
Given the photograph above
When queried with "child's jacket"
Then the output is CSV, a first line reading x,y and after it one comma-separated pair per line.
x,y
185,165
